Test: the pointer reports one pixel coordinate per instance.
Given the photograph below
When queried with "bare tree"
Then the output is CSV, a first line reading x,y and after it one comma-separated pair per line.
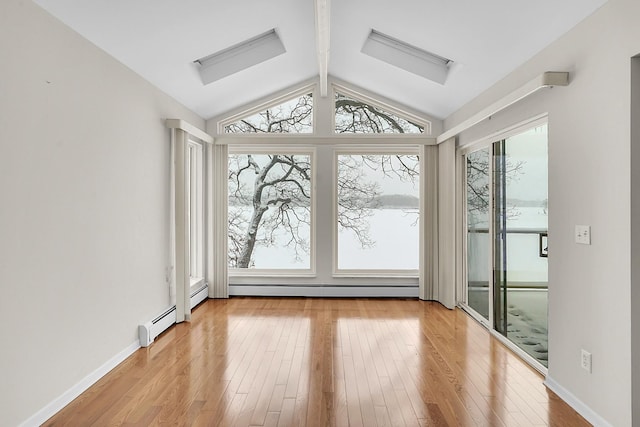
x,y
295,116
282,184
354,116
478,182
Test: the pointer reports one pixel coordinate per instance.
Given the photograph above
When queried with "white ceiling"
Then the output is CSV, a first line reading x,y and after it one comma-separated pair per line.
x,y
160,39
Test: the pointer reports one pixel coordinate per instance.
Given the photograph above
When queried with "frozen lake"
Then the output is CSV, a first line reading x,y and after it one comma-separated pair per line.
x,y
394,231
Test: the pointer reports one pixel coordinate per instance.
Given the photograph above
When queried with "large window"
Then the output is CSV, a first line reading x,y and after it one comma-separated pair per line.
x,y
366,206
270,211
377,212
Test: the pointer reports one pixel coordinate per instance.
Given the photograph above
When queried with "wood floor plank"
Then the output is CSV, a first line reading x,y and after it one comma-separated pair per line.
x,y
321,362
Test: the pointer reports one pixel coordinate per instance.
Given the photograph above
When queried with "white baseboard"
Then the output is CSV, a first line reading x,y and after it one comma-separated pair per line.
x,y
325,291
580,407
200,295
56,405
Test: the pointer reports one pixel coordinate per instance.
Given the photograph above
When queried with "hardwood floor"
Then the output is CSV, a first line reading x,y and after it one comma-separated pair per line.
x,y
321,362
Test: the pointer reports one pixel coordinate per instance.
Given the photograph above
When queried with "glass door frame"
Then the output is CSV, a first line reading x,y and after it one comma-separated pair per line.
x,y
463,299
463,287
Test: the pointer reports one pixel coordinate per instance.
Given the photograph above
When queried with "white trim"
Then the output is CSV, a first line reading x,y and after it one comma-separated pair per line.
x,y
545,80
526,357
406,149
189,128
337,140
509,131
429,223
446,207
65,398
461,223
323,41
264,272
199,295
580,407
325,291
182,238
412,274
196,211
218,274
474,314
271,149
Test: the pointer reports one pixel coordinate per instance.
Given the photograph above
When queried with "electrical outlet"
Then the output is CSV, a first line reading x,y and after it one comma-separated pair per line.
x,y
585,360
583,234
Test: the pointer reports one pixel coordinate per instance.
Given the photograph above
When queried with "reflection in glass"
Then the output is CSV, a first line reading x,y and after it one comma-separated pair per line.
x,y
478,204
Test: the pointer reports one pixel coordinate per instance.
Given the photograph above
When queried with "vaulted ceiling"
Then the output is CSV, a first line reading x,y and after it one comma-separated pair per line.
x,y
160,39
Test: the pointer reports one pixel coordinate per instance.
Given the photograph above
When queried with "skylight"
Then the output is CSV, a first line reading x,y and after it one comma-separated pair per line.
x,y
409,58
240,56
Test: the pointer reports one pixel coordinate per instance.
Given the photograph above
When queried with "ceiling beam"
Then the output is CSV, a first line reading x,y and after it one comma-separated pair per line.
x,y
323,41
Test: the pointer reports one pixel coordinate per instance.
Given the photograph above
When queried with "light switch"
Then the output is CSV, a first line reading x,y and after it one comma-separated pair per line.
x,y
583,234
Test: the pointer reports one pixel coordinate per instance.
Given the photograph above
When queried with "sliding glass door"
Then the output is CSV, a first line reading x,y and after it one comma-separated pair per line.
x,y
506,215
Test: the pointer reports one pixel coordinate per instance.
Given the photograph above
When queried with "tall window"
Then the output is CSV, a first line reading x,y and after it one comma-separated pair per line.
x,y
377,213
270,210
292,116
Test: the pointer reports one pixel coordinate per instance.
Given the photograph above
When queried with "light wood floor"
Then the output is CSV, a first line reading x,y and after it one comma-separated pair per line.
x,y
321,362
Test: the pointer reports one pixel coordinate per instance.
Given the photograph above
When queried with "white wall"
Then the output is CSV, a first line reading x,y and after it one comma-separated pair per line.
x,y
84,178
635,235
589,183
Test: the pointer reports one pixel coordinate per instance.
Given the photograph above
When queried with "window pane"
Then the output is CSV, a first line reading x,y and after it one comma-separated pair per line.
x,y
378,212
355,116
270,211
478,217
294,116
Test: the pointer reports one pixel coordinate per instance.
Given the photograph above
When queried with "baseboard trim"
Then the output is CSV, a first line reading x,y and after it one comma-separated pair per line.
x,y
580,407
57,404
325,291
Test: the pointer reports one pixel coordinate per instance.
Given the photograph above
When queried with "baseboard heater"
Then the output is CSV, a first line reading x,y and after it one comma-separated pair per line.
x,y
148,332
404,291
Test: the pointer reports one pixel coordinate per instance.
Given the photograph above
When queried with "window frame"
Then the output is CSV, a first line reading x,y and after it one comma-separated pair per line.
x,y
195,152
264,272
363,273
